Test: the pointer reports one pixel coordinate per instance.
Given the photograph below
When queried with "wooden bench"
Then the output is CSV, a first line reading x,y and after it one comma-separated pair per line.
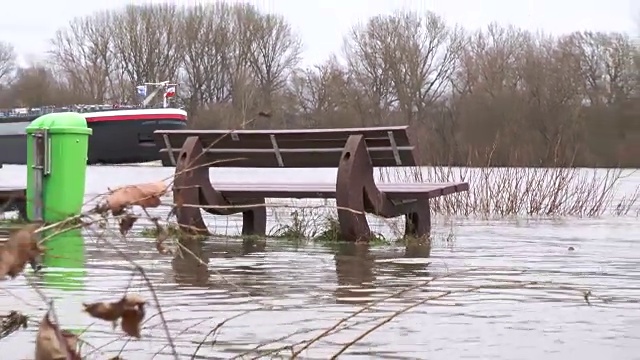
x,y
354,151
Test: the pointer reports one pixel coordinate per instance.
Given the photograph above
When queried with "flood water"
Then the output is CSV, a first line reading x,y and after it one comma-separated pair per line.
x,y
276,293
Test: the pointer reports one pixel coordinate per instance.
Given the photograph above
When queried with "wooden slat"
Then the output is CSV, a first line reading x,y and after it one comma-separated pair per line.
x,y
261,139
396,191
380,130
176,141
297,160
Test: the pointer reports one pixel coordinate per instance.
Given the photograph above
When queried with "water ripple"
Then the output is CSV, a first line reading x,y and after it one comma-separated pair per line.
x,y
528,302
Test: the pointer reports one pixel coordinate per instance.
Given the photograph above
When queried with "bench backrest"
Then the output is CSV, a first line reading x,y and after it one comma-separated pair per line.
x,y
305,148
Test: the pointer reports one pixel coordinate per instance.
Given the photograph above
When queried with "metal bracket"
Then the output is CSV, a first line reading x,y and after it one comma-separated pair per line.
x,y
42,151
276,149
42,168
167,143
47,154
394,148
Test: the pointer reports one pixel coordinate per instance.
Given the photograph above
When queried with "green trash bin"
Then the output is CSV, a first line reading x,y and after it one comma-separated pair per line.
x,y
63,141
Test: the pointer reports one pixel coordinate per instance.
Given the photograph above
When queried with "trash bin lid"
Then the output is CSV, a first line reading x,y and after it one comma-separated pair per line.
x,y
60,123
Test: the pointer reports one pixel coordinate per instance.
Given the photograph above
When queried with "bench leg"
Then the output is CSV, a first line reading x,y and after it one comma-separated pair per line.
x,y
192,187
354,172
418,222
254,221
189,217
21,206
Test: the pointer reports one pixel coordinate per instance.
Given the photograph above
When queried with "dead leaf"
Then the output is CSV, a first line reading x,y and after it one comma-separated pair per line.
x,y
133,314
126,223
131,320
48,342
145,195
130,309
104,311
21,248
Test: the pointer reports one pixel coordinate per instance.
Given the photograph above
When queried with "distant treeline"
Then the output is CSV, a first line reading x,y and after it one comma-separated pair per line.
x,y
499,96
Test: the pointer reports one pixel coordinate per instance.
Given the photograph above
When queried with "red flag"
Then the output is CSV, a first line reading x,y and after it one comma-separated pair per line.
x,y
171,92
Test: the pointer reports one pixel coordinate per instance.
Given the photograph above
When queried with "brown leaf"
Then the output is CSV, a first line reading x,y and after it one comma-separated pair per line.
x,y
144,195
126,223
48,345
104,311
21,248
133,314
130,309
131,320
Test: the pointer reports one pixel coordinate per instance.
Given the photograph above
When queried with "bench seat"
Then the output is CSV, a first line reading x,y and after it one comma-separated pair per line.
x,y
396,191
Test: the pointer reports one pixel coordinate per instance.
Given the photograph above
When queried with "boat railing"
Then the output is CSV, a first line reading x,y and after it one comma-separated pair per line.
x,y
30,112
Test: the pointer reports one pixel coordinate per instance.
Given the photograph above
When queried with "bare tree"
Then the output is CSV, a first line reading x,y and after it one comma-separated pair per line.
x,y
7,61
489,60
406,60
486,92
275,52
554,101
323,96
368,60
206,30
35,86
82,53
606,65
147,42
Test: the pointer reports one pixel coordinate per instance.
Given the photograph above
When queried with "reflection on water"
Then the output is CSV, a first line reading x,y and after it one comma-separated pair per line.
x,y
190,263
265,291
220,264
64,260
355,266
354,271
239,265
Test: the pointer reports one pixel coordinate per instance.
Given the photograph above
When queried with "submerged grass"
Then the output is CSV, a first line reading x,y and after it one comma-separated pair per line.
x,y
499,192
318,227
304,226
173,231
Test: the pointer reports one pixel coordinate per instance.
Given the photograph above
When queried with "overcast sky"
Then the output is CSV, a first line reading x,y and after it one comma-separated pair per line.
x,y
28,24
